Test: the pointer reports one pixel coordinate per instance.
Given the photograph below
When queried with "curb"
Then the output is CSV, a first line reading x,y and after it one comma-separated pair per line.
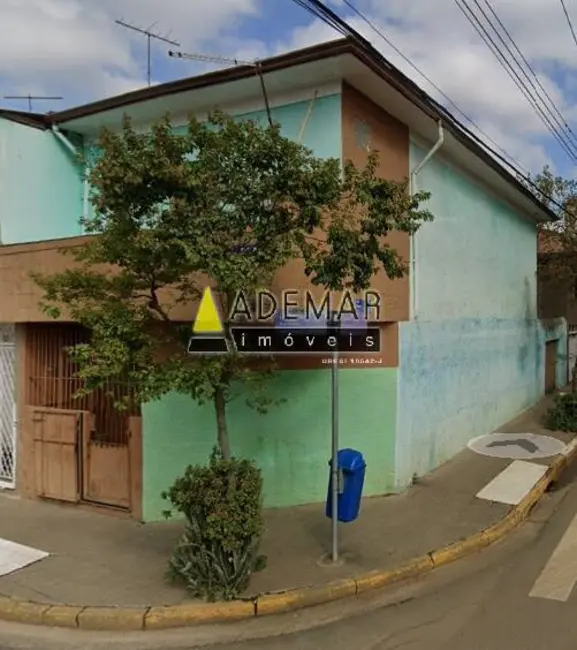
x,y
158,618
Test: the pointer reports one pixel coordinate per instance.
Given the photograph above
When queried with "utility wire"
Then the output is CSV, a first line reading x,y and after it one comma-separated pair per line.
x,y
514,75
432,84
329,17
530,68
569,22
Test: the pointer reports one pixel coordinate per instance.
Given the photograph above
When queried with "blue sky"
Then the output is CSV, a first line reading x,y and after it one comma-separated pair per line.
x,y
73,48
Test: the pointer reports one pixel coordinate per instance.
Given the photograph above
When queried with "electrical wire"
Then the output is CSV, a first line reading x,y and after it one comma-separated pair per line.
x,y
329,17
569,22
433,85
514,75
530,68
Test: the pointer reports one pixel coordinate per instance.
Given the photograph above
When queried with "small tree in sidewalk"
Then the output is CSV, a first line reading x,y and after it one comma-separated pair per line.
x,y
171,211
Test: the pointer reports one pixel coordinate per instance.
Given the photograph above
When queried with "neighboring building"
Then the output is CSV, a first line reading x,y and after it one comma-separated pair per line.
x,y
557,290
557,293
464,349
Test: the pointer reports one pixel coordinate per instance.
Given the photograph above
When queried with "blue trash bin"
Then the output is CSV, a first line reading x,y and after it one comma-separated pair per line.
x,y
351,478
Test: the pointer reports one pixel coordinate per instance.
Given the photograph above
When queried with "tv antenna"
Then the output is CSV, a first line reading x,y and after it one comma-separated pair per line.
x,y
203,58
149,36
32,98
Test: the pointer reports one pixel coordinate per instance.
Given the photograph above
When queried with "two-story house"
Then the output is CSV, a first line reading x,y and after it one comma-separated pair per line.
x,y
463,348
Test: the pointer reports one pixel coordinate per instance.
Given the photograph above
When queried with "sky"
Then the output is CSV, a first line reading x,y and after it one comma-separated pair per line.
x,y
74,49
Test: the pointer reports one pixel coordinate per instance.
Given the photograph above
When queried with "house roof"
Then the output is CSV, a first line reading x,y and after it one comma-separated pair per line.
x,y
358,63
35,120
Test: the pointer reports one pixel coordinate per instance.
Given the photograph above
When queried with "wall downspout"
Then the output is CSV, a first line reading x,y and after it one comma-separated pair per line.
x,y
66,142
413,242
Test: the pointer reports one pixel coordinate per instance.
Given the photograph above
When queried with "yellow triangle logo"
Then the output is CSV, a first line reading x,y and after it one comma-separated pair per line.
x,y
207,318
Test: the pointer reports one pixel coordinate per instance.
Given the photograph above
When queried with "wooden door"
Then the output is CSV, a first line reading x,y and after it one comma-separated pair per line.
x,y
55,433
105,467
550,366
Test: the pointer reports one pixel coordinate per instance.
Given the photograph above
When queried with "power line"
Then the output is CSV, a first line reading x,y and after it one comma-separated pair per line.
x,y
569,22
204,58
530,68
149,36
514,75
436,87
31,98
329,17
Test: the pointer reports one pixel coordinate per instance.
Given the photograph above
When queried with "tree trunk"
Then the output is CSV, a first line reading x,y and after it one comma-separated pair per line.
x,y
222,429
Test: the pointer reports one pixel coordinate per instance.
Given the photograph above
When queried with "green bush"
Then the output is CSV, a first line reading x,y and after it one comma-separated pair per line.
x,y
562,416
219,550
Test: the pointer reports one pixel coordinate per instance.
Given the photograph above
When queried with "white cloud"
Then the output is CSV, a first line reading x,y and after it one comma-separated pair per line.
x,y
74,48
439,40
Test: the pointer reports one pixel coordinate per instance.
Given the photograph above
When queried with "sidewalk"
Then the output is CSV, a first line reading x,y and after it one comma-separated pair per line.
x,y
104,560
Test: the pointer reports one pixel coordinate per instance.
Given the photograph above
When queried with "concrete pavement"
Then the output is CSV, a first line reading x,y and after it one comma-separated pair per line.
x,y
105,561
479,603
102,560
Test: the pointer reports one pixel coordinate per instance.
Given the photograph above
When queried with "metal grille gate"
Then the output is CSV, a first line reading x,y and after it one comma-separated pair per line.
x,y
102,443
7,408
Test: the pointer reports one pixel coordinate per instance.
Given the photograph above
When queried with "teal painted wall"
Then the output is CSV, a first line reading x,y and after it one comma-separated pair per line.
x,y
41,186
474,356
291,443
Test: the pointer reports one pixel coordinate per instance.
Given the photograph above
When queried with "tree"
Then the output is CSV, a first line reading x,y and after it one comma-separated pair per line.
x,y
171,209
557,261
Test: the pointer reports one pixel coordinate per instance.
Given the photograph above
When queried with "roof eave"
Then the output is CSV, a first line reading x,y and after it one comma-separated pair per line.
x,y
366,54
35,120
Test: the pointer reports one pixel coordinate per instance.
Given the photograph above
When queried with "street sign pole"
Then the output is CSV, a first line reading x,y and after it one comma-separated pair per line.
x,y
335,444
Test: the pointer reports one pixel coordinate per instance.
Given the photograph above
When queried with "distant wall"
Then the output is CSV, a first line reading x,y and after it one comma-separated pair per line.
x,y
474,356
41,189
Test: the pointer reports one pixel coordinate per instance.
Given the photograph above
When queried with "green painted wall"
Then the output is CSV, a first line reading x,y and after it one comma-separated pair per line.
x,y
41,188
291,443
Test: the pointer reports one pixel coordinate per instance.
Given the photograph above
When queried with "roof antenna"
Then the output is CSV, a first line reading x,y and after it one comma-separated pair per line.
x,y
226,60
30,98
149,36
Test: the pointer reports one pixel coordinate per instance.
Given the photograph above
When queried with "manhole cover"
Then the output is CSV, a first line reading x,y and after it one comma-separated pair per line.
x,y
517,446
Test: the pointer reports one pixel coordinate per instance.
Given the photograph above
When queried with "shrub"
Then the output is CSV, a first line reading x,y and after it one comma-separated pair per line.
x,y
562,416
219,550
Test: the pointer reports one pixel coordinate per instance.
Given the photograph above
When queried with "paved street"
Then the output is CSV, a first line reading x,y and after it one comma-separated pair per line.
x,y
524,601
481,603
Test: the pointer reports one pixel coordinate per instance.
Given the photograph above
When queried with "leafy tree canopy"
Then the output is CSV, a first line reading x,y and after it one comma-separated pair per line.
x,y
171,210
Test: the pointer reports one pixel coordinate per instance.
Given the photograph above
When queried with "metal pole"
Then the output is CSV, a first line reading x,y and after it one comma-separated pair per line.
x,y
335,445
149,65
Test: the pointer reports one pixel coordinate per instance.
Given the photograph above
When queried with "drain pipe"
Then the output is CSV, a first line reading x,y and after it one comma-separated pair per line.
x,y
66,142
413,241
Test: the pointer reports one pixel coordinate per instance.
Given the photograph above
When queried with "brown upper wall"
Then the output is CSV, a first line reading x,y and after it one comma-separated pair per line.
x,y
20,295
364,123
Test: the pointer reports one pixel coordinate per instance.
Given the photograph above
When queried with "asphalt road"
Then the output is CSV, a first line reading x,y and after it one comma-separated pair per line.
x,y
480,603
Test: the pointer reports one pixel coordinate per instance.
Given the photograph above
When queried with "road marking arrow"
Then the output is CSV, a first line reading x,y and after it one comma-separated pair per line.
x,y
527,445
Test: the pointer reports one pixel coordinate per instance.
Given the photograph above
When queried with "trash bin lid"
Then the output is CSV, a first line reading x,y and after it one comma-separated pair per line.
x,y
351,459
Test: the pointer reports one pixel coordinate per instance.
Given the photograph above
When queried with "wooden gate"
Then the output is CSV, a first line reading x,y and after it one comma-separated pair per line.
x,y
56,434
82,445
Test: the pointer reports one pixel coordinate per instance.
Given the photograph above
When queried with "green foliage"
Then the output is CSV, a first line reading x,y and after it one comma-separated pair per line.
x,y
562,416
219,550
170,209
